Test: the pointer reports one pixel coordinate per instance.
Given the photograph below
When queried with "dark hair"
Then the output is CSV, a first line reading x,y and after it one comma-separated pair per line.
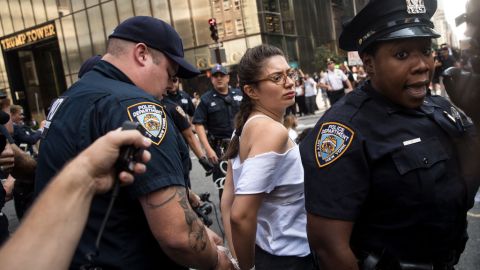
x,y
249,70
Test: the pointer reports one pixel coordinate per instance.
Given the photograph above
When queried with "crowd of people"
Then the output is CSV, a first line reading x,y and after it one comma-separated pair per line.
x,y
383,181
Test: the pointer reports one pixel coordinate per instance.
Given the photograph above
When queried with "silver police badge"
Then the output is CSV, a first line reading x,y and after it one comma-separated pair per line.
x,y
153,119
332,141
416,7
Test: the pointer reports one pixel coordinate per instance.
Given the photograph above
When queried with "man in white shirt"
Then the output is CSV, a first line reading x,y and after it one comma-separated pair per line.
x,y
334,81
310,94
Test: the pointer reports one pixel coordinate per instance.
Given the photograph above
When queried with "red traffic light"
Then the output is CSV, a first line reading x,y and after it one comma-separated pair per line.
x,y
212,21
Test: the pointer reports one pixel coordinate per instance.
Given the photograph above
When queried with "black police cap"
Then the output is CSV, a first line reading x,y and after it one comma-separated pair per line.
x,y
382,20
159,35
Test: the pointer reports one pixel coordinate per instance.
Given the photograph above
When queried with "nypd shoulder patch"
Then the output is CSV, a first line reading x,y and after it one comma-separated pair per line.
x,y
152,117
332,141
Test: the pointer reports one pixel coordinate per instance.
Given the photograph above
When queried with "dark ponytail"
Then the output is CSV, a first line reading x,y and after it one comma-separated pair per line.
x,y
249,71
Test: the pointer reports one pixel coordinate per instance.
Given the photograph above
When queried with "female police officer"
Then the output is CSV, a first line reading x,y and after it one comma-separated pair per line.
x,y
388,179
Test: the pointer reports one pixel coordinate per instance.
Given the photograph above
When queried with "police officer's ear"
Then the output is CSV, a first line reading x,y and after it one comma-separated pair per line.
x,y
250,91
141,53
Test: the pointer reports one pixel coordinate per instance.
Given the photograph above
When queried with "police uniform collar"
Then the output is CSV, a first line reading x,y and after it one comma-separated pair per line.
x,y
111,71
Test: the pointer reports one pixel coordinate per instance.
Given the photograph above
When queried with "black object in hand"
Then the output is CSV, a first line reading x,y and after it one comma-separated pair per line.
x,y
207,166
129,154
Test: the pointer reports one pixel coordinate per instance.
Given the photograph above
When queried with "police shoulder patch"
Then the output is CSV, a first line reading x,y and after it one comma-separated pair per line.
x,y
333,139
152,117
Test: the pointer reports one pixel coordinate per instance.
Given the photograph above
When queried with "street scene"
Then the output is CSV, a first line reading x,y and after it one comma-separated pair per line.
x,y
240,134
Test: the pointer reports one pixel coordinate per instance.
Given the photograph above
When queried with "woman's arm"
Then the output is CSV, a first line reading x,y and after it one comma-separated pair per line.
x,y
226,205
243,218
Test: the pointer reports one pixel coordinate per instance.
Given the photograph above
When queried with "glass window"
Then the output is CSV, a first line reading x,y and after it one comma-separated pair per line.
x,y
239,26
98,32
125,9
228,28
71,46
16,14
27,13
91,3
220,30
76,5
83,35
270,5
226,4
52,10
181,21
109,17
292,49
61,44
39,11
201,12
5,16
289,27
64,7
237,4
160,10
142,7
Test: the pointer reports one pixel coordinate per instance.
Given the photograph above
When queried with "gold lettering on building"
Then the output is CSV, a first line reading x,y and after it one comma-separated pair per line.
x,y
28,37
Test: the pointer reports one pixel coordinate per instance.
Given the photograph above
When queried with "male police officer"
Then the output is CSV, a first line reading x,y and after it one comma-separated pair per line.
x,y
180,97
215,113
143,54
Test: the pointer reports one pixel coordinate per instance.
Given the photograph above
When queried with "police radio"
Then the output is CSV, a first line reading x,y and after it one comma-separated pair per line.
x,y
129,154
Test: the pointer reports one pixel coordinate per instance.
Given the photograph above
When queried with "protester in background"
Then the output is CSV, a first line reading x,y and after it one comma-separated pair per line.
x,y
300,94
49,234
215,114
24,136
195,99
391,170
310,87
263,206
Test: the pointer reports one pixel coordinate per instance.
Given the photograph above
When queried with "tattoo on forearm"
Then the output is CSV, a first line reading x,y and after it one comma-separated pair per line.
x,y
197,234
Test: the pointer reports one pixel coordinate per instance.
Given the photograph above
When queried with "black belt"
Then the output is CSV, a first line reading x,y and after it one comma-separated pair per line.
x,y
374,262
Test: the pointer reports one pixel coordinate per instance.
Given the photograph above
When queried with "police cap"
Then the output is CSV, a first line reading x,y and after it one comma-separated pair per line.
x,y
382,20
219,69
159,35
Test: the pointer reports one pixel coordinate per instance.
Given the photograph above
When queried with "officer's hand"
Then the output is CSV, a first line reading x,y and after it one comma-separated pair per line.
x,y
98,159
8,185
214,238
224,263
462,88
212,156
7,159
207,166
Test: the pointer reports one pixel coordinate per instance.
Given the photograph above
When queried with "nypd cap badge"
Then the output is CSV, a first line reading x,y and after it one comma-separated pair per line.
x,y
332,141
152,117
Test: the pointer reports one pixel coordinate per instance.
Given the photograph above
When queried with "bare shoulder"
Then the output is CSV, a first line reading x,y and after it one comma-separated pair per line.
x,y
265,135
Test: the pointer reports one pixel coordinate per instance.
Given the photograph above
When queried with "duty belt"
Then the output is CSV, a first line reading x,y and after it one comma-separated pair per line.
x,y
374,262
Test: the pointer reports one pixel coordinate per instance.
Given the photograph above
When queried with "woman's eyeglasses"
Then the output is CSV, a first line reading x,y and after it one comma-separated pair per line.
x,y
280,78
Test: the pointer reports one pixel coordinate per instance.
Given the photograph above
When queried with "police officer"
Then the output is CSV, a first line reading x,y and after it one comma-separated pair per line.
x,y
390,170
215,113
151,224
180,97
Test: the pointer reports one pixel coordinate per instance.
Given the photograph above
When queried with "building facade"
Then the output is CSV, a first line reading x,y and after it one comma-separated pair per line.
x,y
44,42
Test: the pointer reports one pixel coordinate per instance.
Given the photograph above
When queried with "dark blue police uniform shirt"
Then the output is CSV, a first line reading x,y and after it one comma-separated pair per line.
x,y
100,102
184,100
216,112
394,172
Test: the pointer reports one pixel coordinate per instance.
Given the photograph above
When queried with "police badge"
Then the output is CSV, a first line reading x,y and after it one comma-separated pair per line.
x,y
332,141
153,119
416,6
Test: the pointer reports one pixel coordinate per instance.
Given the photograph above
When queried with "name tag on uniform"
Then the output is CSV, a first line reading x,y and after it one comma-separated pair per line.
x,y
412,141
213,104
184,101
